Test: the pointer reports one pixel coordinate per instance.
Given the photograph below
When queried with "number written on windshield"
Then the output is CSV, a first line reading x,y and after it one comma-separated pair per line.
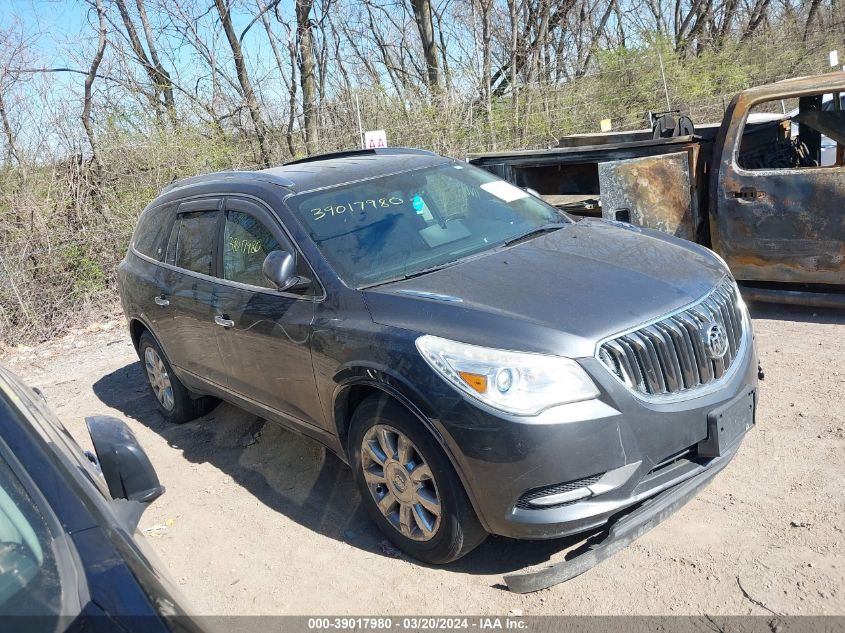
x,y
360,205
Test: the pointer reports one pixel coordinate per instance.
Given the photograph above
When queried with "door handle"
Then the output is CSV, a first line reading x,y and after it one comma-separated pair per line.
x,y
161,301
227,323
747,194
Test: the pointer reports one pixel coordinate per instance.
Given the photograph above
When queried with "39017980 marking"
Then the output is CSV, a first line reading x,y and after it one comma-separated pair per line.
x,y
321,624
332,210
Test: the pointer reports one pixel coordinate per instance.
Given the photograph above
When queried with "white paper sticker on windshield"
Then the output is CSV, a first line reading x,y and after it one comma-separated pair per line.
x,y
504,190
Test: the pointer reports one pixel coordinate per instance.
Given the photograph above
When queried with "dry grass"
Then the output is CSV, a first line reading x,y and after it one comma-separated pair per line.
x,y
64,227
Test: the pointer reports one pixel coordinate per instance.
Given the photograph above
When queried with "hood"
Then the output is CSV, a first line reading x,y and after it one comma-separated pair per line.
x,y
559,293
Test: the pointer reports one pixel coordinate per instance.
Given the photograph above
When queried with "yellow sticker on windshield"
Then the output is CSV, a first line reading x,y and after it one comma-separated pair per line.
x,y
357,205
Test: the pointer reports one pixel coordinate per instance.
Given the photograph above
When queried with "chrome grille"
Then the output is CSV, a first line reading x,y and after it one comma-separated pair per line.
x,y
672,355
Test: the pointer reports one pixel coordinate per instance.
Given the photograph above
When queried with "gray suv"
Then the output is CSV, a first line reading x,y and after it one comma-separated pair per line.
x,y
483,362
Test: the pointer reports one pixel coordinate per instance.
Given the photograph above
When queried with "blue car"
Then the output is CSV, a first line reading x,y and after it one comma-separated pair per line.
x,y
71,557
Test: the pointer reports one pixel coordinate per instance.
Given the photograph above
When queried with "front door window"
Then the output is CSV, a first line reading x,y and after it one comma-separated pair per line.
x,y
246,242
794,133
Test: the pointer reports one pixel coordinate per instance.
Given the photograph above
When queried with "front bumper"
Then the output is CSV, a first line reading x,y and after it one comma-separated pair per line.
x,y
634,441
623,531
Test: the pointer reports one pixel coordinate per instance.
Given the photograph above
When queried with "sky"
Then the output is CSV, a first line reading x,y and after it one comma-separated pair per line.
x,y
56,20
64,34
59,24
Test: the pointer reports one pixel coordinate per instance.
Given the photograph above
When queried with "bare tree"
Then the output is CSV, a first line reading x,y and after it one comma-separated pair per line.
x,y
486,10
727,14
288,81
440,16
141,56
758,13
12,53
305,45
89,84
811,14
598,32
542,21
163,80
14,152
245,83
425,26
392,59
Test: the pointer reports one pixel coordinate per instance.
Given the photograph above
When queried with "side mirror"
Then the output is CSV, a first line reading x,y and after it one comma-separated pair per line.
x,y
124,464
280,269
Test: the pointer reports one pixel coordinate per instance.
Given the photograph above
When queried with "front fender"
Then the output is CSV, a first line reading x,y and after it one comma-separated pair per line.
x,y
391,383
386,380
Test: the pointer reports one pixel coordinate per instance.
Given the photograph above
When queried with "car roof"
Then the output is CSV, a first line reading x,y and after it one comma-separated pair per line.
x,y
325,170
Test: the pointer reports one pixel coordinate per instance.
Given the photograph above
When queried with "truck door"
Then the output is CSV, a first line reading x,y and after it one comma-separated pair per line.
x,y
777,207
657,192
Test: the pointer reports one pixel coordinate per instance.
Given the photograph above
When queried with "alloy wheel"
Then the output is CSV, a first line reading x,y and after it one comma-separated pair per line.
x,y
159,379
401,482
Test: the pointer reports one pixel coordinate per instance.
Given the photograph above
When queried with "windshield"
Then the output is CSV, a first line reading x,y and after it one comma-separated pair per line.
x,y
398,225
29,578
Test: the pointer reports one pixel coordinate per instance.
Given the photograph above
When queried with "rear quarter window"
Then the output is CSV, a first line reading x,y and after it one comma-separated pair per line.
x,y
148,238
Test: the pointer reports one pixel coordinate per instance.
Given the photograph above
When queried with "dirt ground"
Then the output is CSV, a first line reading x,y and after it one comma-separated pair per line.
x,y
257,520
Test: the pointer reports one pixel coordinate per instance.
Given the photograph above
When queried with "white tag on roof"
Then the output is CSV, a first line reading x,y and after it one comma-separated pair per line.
x,y
373,139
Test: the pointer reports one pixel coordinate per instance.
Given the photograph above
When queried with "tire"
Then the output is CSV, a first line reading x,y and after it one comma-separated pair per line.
x,y
175,402
424,535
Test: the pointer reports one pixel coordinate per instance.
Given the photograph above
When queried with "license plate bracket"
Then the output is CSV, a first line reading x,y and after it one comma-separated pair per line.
x,y
727,424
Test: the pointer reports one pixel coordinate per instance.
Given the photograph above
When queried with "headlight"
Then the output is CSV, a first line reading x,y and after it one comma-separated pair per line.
x,y
516,382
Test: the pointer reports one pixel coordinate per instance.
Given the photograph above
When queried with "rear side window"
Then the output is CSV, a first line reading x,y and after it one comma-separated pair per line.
x,y
246,242
148,238
195,241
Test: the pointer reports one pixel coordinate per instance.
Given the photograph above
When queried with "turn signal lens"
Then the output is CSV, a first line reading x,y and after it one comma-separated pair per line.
x,y
476,381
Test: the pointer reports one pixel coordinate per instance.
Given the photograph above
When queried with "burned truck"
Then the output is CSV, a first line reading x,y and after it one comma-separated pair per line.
x,y
765,188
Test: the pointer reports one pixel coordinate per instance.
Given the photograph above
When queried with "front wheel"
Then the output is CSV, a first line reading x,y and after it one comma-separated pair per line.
x,y
408,484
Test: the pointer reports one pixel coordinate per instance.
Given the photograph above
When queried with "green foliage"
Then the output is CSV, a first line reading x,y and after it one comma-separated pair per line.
x,y
86,275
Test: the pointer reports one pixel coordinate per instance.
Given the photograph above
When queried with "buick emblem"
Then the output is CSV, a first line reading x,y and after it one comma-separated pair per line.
x,y
715,340
399,482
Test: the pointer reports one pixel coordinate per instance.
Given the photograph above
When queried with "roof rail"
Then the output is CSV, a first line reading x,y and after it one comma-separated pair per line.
x,y
229,174
357,152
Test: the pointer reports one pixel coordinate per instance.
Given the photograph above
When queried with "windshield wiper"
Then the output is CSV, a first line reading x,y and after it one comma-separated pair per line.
x,y
416,273
425,271
546,228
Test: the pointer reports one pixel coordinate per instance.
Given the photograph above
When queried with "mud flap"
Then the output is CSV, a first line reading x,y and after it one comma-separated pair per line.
x,y
621,533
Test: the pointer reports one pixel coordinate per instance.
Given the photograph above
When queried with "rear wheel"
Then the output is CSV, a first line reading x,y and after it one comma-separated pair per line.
x,y
175,402
408,484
